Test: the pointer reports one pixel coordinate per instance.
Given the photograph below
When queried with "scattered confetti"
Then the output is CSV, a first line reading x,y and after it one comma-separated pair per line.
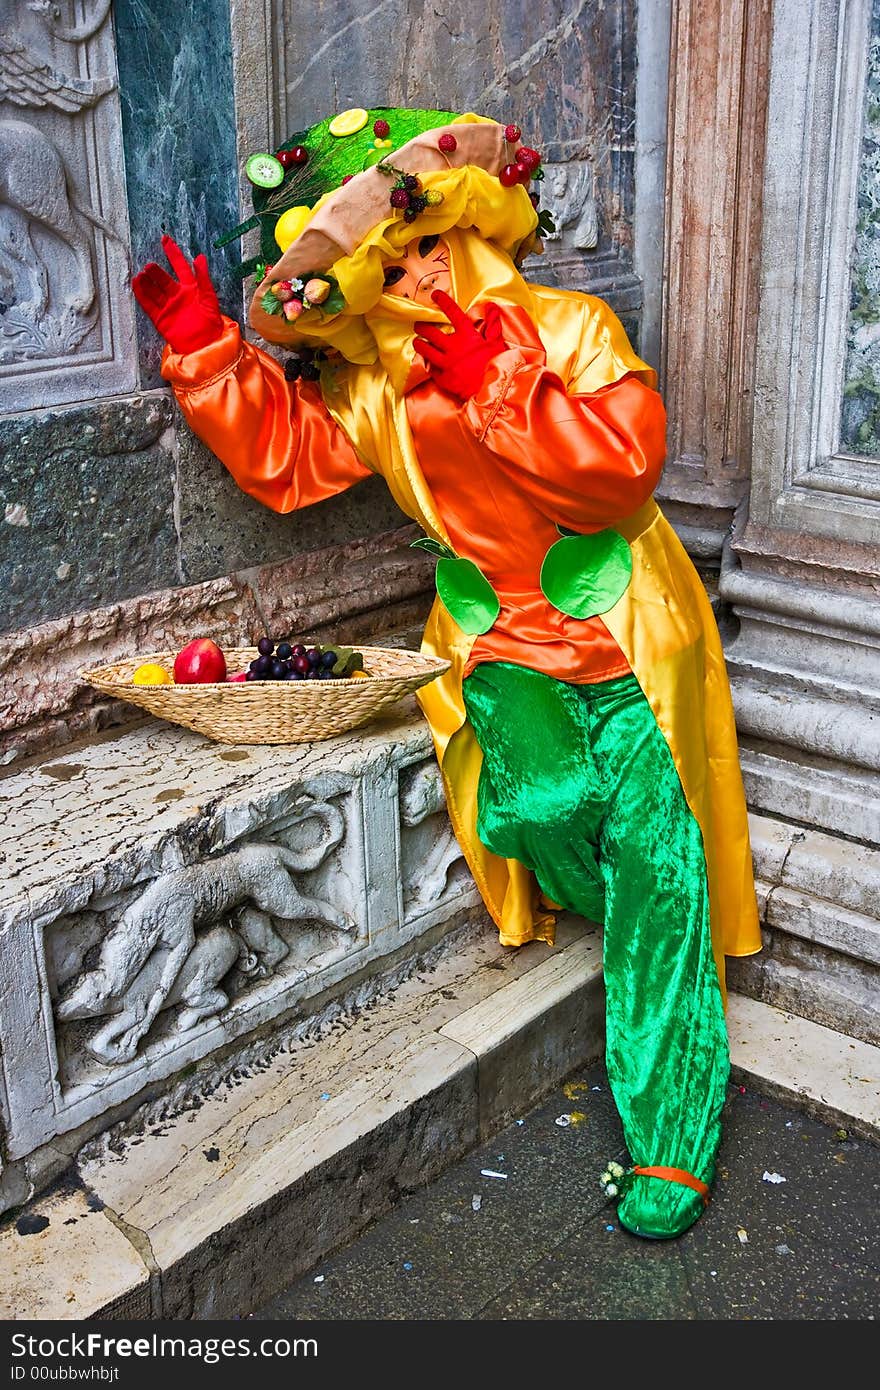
x,y
841,1134
773,1177
572,1089
414,1221
783,1250
212,1154
319,1278
490,1173
563,1121
325,1095
520,1122
595,1088
609,1228
742,1236
713,1272
742,1090
476,1202
407,1264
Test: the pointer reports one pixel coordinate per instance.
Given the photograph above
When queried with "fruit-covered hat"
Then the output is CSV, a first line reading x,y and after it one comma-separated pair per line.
x,y
352,190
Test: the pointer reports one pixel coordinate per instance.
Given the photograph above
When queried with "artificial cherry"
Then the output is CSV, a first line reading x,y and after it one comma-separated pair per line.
x,y
509,175
512,133
525,173
530,158
447,143
381,129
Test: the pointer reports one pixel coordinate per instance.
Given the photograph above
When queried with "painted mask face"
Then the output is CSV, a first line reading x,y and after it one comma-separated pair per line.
x,y
423,268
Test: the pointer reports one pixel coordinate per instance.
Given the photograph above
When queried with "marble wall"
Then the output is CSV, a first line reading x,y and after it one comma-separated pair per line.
x,y
860,414
104,496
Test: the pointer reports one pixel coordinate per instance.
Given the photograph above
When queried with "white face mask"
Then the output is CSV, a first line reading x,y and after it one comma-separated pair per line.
x,y
423,268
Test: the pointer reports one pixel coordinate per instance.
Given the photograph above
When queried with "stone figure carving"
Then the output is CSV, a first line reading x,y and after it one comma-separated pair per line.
x,y
569,193
185,932
421,797
40,317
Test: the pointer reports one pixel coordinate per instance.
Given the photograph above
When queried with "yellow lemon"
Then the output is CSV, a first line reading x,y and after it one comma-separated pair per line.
x,y
290,224
348,122
151,673
360,676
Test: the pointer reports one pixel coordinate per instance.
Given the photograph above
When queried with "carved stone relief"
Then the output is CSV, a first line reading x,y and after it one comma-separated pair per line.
x,y
568,192
193,941
63,214
431,859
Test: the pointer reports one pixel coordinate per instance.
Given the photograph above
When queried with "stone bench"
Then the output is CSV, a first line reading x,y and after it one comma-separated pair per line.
x,y
165,898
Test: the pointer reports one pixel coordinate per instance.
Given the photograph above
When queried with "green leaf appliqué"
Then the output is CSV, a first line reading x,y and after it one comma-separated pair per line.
x,y
584,576
467,594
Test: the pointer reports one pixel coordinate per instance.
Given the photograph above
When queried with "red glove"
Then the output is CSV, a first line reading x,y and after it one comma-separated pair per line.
x,y
458,360
184,310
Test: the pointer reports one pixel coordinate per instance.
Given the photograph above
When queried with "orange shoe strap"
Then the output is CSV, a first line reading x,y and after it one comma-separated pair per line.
x,y
676,1175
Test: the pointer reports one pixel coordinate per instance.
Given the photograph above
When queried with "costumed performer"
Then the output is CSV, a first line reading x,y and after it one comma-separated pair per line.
x,y
585,729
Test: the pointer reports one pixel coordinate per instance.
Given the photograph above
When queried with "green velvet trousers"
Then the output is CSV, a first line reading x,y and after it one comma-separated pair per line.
x,y
578,784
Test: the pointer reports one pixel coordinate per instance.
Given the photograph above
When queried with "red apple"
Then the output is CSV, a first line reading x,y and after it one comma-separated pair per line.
x,y
200,663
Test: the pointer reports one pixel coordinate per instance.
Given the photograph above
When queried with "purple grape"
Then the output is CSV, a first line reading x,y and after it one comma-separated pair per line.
x,y
265,646
278,670
253,665
284,650
328,660
325,675
294,675
314,655
263,665
313,674
301,664
299,650
252,676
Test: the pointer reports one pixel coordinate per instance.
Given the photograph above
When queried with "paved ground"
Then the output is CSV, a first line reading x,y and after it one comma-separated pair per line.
x,y
543,1243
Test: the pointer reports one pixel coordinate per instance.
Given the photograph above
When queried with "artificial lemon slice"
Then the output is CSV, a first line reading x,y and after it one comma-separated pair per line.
x,y
290,224
348,122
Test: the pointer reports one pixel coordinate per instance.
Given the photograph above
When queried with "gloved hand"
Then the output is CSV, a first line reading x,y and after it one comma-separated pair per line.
x,y
184,310
458,360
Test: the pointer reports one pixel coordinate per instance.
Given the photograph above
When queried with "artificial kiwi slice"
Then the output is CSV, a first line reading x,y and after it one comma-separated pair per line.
x,y
264,170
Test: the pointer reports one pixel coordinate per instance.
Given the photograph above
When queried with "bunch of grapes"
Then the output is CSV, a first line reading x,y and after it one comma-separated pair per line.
x,y
284,661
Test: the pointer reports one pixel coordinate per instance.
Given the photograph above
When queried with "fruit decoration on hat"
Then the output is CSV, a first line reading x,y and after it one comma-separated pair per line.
x,y
288,184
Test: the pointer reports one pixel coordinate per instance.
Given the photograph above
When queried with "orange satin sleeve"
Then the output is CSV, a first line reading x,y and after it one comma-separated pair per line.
x,y
586,461
276,437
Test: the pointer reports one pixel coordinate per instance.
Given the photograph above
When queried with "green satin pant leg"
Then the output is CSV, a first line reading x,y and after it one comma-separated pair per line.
x,y
538,799
666,1048
578,784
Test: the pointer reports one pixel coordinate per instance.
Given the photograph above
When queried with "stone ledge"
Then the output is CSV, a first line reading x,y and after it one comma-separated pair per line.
x,y
166,900
227,1198
229,1201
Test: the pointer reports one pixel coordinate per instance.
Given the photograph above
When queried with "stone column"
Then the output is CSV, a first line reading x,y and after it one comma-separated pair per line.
x,y
803,570
716,119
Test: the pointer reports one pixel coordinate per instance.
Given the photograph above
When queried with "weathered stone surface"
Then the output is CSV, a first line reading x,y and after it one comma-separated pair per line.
x,y
831,1075
88,496
344,584
163,896
222,529
547,1023
77,1266
818,897
325,1137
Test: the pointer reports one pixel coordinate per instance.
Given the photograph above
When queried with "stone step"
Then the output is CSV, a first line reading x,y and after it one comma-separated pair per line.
x,y
819,897
227,1201
260,881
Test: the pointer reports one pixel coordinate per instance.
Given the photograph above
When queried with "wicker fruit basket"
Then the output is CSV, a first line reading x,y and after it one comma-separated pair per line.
x,y
272,711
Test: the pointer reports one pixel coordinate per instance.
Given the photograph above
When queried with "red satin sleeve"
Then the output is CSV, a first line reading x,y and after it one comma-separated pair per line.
x,y
586,461
275,437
